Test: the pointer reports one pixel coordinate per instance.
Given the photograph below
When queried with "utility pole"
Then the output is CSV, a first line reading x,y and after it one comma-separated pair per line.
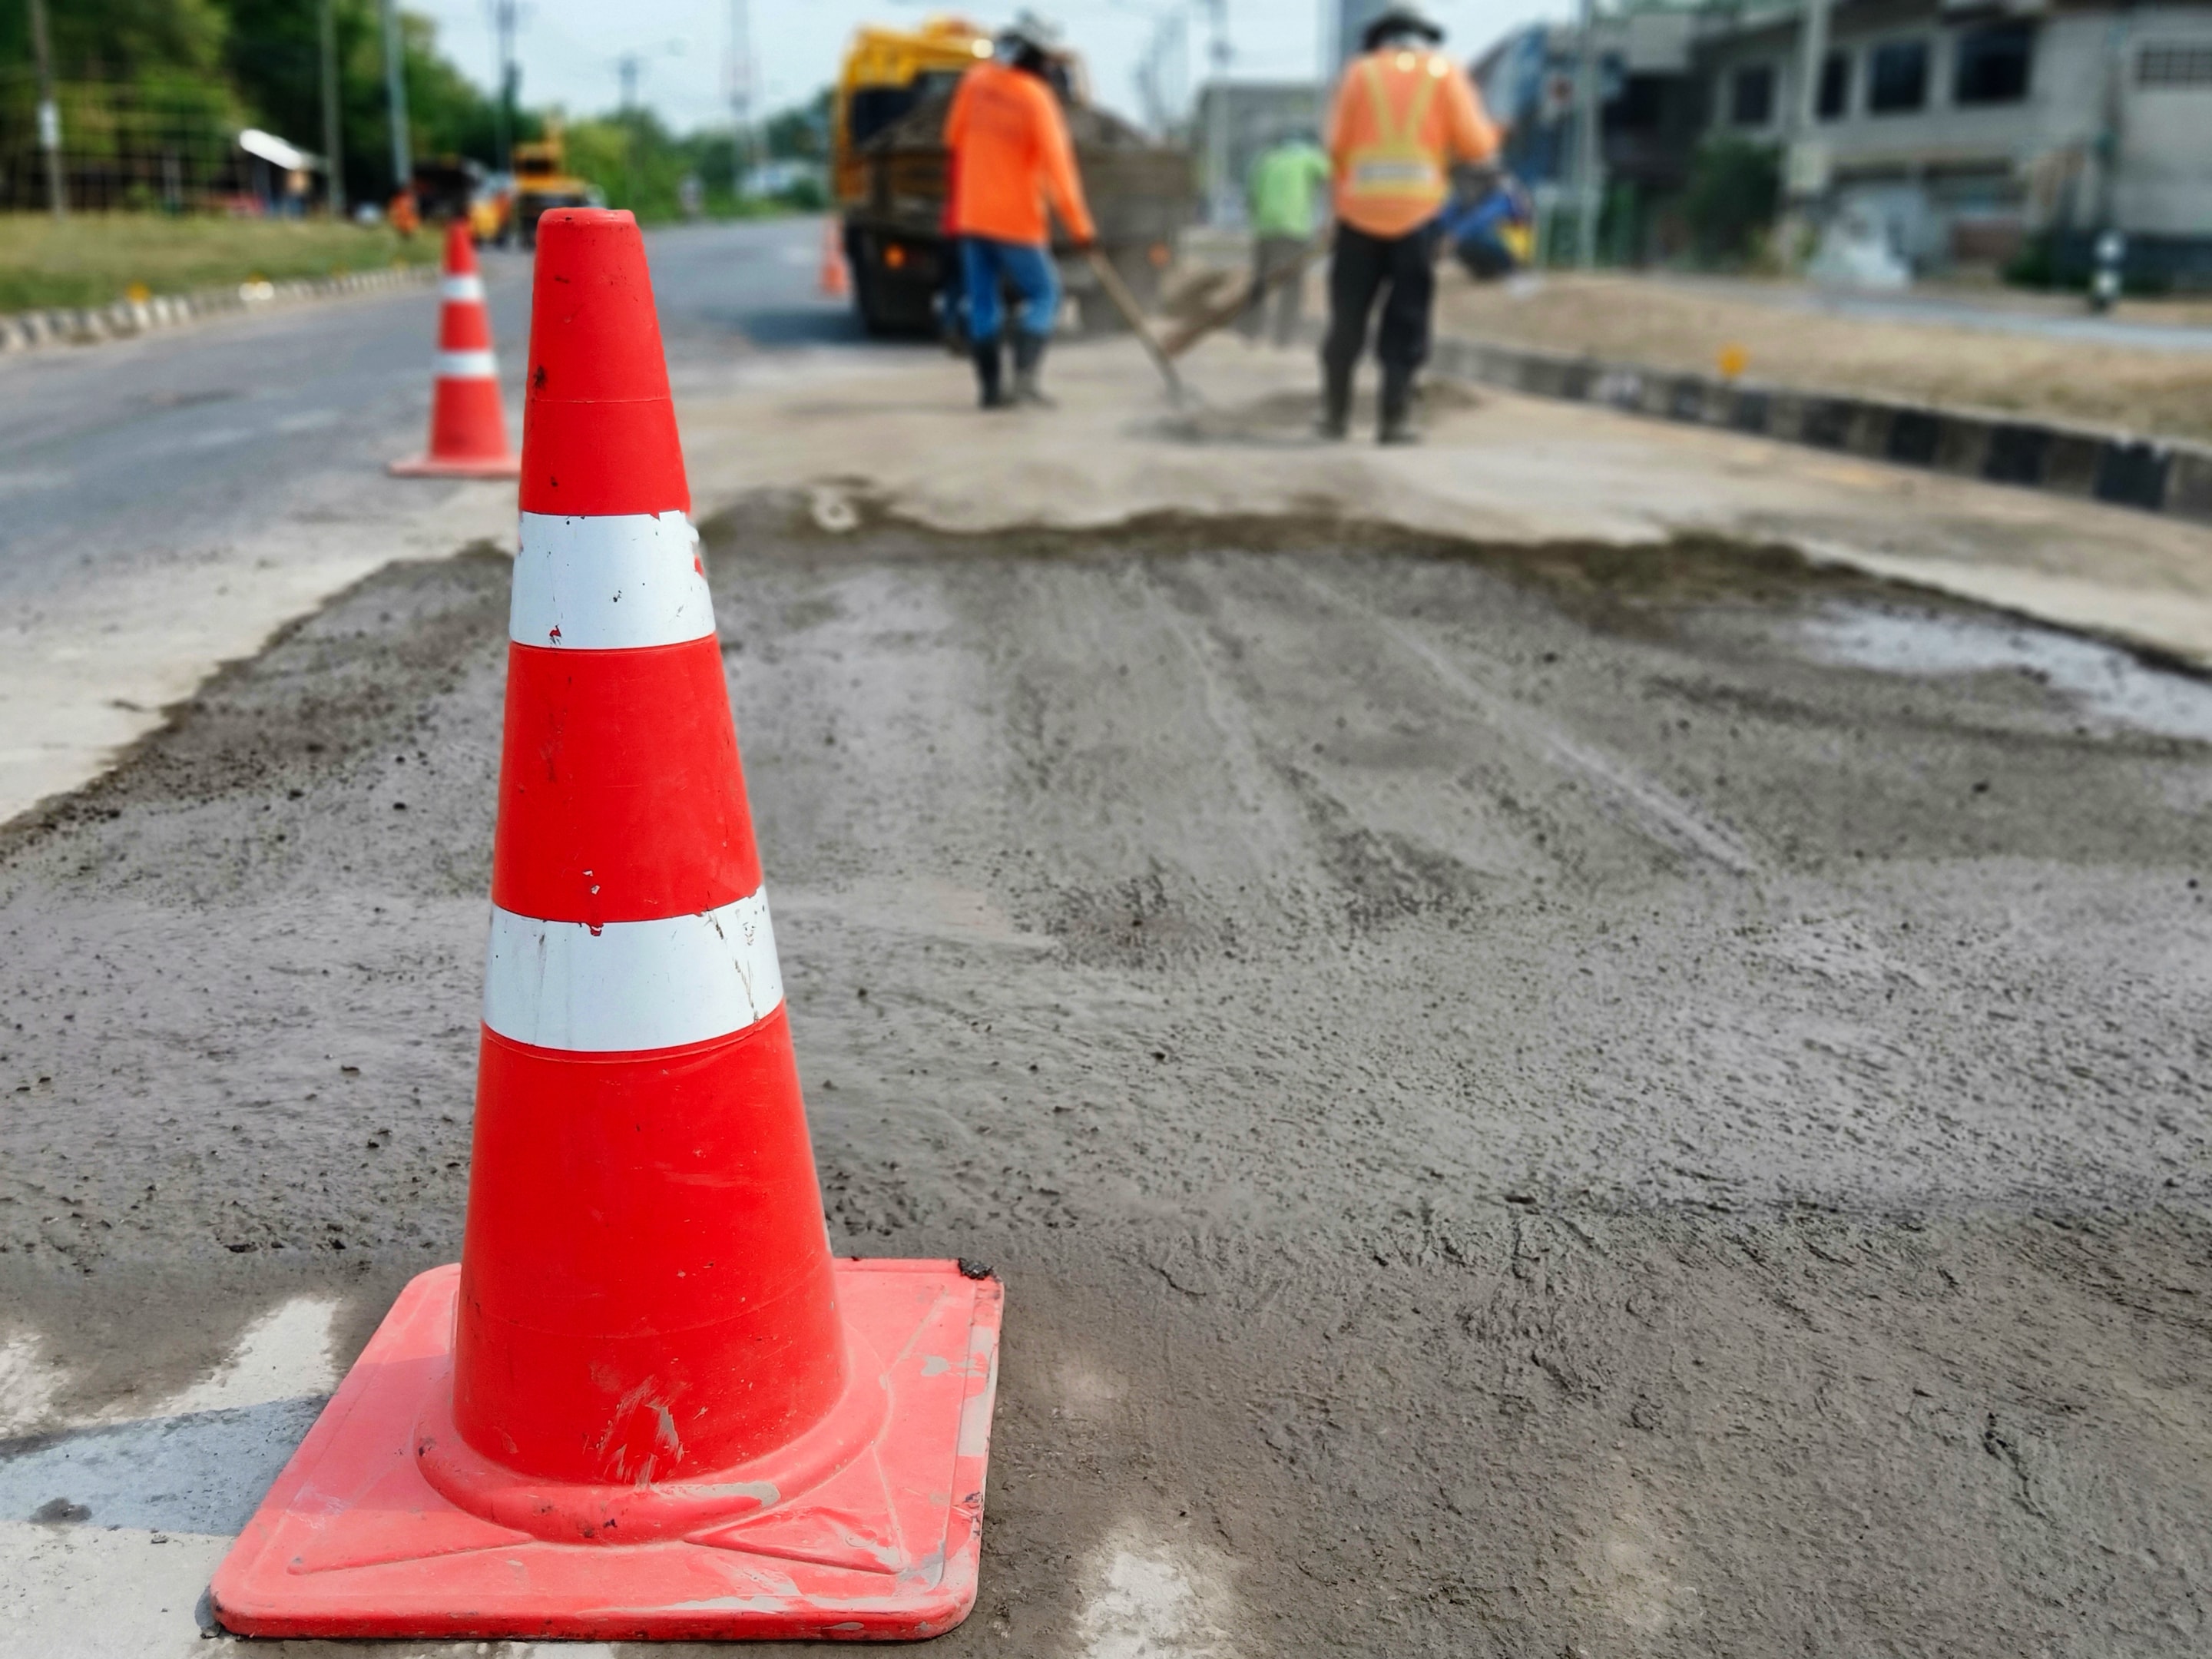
x,y
1217,125
333,154
1805,163
740,73
502,24
50,112
395,93
1812,58
1589,166
628,66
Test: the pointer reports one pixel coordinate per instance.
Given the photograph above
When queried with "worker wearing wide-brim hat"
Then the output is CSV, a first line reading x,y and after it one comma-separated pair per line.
x,y
1010,156
1404,114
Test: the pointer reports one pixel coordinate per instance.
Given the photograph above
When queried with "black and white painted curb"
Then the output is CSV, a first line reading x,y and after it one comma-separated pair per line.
x,y
2154,475
90,324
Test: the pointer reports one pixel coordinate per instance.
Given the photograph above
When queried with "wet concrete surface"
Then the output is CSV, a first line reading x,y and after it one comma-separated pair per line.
x,y
1529,1102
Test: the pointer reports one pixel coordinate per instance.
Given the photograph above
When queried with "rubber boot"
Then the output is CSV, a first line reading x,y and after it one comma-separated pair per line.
x,y
1028,359
989,385
1396,423
1335,423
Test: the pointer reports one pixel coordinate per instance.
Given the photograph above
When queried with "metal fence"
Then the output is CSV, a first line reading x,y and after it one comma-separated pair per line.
x,y
144,146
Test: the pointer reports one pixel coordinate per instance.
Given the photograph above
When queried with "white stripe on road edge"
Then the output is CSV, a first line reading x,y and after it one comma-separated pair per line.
x,y
461,287
631,985
467,366
609,583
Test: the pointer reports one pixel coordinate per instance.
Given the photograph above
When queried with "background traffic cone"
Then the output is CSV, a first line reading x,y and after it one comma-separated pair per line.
x,y
836,277
468,426
647,1403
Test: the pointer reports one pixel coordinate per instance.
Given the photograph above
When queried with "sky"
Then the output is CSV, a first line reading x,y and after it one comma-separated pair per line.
x,y
569,49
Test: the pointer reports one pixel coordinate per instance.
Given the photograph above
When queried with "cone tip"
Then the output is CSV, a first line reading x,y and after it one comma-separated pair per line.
x,y
600,436
587,218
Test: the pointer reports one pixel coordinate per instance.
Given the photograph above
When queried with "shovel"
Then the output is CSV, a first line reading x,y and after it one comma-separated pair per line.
x,y
1126,303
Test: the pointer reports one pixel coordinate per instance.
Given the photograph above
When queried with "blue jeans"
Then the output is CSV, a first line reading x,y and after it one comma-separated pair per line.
x,y
1029,267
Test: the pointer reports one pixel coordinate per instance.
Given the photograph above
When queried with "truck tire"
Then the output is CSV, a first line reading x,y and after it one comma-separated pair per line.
x,y
893,307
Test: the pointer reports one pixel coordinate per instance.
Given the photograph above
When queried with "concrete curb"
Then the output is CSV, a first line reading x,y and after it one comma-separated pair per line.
x,y
2153,475
22,330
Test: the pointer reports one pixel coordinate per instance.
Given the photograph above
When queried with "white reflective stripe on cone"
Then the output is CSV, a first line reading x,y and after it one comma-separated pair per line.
x,y
612,583
467,366
460,288
632,985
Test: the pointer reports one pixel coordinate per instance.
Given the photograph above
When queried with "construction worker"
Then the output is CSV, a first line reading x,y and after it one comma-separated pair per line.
x,y
1010,156
1403,113
1278,196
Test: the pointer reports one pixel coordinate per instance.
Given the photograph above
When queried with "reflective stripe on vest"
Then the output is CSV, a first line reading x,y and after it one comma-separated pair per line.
x,y
1396,165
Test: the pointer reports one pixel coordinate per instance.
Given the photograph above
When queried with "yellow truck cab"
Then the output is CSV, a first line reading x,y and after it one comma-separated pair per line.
x,y
541,182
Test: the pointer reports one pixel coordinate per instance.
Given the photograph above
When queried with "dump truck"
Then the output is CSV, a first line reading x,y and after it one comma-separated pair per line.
x,y
543,182
450,187
889,168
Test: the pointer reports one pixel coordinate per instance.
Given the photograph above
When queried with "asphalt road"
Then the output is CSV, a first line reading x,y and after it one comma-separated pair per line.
x,y
116,456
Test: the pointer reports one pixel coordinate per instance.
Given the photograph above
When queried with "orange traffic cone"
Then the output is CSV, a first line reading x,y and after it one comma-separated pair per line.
x,y
647,1403
836,277
468,427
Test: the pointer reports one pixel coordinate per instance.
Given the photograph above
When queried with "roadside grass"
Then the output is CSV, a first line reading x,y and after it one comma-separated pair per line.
x,y
94,258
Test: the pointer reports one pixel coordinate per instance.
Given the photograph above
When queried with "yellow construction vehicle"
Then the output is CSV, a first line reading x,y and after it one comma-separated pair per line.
x,y
888,171
541,181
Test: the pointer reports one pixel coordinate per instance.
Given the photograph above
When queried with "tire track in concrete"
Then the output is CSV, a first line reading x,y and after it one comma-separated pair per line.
x,y
1661,814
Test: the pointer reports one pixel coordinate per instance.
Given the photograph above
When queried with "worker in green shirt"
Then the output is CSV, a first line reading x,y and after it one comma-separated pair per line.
x,y
1279,192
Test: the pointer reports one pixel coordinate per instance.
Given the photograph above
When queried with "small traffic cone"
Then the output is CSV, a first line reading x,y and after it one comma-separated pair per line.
x,y
468,427
647,1403
836,277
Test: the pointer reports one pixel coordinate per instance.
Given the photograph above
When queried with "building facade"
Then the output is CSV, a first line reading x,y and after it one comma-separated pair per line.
x,y
1247,117
1970,129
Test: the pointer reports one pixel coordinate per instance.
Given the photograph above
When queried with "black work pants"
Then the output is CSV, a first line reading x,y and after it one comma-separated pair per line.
x,y
1402,271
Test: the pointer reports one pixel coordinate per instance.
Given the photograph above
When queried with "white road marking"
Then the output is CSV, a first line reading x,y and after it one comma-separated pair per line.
x,y
1153,1601
27,1384
284,1355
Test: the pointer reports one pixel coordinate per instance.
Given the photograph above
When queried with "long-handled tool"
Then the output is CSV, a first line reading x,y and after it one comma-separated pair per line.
x,y
1126,303
1225,312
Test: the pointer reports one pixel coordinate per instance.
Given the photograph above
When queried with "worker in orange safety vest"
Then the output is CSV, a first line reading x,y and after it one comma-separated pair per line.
x,y
1011,155
1404,114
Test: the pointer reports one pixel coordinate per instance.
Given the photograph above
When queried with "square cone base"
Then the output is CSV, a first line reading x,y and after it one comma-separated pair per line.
x,y
430,467
353,1540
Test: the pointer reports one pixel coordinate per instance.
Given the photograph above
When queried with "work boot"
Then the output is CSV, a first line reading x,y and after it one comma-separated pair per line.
x,y
1336,421
1028,359
1397,425
988,374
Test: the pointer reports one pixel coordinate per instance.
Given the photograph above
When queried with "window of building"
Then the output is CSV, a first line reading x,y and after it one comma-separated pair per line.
x,y
1835,86
1897,78
1641,105
2175,63
1990,65
1751,95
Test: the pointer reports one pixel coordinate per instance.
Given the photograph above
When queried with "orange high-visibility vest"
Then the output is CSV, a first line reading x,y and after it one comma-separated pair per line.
x,y
1401,118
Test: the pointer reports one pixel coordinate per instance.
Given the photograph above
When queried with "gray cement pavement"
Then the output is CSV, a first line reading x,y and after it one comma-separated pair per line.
x,y
1547,1074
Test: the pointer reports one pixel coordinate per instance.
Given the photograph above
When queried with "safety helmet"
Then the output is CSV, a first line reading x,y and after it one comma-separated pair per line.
x,y
1028,29
1400,21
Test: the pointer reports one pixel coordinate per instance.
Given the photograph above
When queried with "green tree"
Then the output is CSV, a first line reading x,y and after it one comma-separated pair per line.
x,y
274,54
1731,200
121,40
